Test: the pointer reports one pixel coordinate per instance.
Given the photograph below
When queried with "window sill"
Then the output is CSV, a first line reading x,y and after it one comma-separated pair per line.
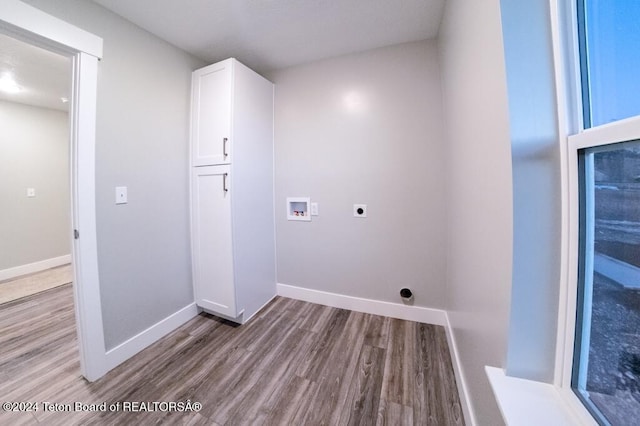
x,y
526,402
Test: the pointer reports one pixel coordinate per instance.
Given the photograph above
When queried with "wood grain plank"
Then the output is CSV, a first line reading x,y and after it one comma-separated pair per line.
x,y
336,374
239,379
449,397
377,333
431,399
285,405
364,393
428,380
315,317
281,362
390,413
320,354
17,419
293,363
399,374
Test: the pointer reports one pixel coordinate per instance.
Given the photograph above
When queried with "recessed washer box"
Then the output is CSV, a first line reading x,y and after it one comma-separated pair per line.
x,y
298,208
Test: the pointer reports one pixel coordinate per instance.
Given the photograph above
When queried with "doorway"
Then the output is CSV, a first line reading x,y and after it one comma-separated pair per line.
x,y
35,27
35,225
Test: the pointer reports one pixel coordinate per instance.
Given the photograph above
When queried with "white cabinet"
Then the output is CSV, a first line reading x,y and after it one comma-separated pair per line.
x,y
211,97
232,222
213,260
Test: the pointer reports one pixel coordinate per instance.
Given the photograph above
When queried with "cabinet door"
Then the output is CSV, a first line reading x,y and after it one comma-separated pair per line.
x,y
211,114
212,240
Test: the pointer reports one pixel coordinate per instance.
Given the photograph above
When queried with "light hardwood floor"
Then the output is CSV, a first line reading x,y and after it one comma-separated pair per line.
x,y
295,363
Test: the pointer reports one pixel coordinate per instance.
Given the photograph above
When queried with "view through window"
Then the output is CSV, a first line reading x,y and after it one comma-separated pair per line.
x,y
607,374
606,368
610,55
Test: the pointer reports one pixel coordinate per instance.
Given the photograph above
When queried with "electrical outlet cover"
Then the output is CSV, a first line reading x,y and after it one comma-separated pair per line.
x,y
359,210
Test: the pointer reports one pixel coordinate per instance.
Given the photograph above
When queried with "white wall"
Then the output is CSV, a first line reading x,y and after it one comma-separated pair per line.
x,y
142,141
363,128
479,186
34,153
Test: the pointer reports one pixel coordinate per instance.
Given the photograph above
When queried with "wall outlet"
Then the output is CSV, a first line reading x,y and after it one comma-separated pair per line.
x,y
31,192
314,209
359,210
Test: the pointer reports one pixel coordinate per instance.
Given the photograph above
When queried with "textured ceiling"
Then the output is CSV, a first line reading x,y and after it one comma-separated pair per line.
x,y
43,77
273,34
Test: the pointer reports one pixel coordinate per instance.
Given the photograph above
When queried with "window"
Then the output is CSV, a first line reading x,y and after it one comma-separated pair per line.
x,y
606,351
609,34
606,374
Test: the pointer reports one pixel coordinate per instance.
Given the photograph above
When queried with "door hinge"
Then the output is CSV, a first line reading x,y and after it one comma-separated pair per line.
x,y
76,234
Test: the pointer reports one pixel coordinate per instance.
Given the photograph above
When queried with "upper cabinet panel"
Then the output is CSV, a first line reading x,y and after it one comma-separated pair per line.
x,y
211,136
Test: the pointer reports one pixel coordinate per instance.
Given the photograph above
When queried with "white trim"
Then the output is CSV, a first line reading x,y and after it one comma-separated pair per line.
x,y
564,37
569,290
529,403
30,268
142,340
369,306
619,131
240,318
26,21
83,212
463,389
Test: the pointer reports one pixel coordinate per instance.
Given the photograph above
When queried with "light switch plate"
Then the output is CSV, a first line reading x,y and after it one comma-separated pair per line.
x,y
121,195
314,209
31,192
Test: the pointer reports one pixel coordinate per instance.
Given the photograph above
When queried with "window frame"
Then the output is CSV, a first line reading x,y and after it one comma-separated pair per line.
x,y
573,138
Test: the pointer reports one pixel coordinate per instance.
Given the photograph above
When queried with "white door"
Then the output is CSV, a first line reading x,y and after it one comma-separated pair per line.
x,y
212,243
211,114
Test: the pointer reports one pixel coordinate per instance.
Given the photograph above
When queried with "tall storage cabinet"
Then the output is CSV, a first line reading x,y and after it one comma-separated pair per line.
x,y
232,223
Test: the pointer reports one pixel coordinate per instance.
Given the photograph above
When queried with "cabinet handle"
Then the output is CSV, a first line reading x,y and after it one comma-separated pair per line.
x,y
224,147
224,183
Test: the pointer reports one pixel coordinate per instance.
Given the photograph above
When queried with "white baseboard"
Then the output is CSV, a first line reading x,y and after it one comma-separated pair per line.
x,y
30,268
369,306
129,348
463,390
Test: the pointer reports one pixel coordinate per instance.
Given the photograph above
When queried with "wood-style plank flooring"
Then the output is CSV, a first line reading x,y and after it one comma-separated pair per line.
x,y
295,363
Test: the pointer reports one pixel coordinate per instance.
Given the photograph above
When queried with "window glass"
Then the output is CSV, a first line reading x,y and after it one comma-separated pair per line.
x,y
610,59
606,370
